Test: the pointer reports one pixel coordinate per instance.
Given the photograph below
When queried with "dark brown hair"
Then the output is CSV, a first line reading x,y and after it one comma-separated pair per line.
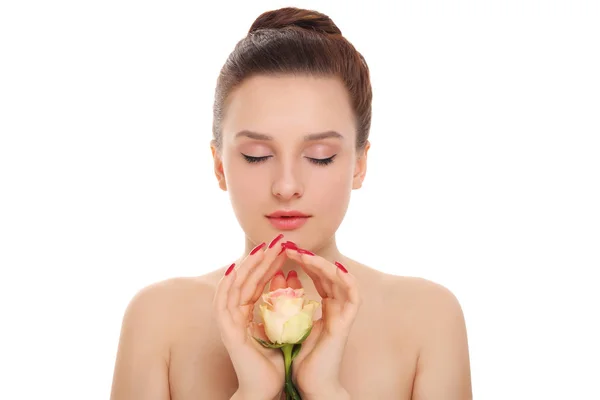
x,y
296,41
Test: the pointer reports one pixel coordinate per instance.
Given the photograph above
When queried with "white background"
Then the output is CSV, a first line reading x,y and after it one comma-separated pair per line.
x,y
484,176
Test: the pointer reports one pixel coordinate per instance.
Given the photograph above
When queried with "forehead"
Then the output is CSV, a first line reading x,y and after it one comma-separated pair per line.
x,y
282,105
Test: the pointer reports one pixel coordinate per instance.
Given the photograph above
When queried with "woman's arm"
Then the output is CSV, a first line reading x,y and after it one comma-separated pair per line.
x,y
443,368
141,369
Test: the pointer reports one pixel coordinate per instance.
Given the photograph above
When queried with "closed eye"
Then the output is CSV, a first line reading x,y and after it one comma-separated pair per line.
x,y
251,159
322,161
317,161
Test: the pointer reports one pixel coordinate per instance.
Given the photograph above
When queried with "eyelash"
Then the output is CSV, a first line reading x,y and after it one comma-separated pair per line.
x,y
317,161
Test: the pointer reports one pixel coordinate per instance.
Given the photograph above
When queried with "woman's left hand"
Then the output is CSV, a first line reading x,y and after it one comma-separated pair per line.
x,y
316,369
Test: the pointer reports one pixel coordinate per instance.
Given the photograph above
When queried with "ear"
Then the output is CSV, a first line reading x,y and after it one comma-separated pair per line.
x,y
360,169
218,166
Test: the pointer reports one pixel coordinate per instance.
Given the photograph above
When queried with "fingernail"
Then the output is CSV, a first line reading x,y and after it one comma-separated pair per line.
x,y
340,266
293,274
274,241
302,251
229,269
257,248
289,245
280,272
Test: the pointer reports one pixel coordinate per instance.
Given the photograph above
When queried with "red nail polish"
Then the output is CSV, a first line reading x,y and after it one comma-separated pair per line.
x,y
280,272
292,273
257,248
274,241
290,245
340,266
302,251
229,269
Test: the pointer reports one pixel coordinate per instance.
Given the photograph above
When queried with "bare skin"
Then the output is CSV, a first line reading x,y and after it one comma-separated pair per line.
x,y
408,342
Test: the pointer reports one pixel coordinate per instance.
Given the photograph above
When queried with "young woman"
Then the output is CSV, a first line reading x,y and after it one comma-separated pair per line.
x,y
292,115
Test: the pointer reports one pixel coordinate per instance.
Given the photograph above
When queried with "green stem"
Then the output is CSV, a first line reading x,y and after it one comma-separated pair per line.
x,y
287,359
291,393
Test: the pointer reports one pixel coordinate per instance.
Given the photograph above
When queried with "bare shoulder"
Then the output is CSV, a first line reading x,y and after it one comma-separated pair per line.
x,y
151,322
422,293
435,317
411,293
166,303
425,305
152,315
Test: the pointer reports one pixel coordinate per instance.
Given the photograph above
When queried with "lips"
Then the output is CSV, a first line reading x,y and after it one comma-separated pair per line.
x,y
287,220
287,214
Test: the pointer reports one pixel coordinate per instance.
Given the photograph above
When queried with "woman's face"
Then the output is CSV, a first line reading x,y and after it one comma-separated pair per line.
x,y
289,145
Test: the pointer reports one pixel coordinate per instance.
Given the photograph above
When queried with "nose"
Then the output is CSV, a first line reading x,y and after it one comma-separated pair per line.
x,y
287,183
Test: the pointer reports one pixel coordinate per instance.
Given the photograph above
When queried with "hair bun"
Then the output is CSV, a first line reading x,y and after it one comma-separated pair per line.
x,y
295,17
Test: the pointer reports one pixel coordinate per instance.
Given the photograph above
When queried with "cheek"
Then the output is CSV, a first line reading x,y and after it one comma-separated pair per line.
x,y
243,185
333,192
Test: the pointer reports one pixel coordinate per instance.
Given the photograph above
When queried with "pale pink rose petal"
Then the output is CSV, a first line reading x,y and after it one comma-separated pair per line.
x,y
288,306
289,292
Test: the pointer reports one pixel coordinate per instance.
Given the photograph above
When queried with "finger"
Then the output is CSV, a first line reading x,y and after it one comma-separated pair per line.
x,y
269,273
293,281
249,263
260,275
222,294
222,290
323,288
311,340
328,273
351,287
349,283
267,278
278,282
323,271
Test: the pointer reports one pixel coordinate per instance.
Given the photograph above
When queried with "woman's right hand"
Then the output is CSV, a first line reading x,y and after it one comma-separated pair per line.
x,y
260,371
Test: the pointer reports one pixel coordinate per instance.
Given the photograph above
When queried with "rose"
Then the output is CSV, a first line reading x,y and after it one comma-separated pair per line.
x,y
288,320
287,316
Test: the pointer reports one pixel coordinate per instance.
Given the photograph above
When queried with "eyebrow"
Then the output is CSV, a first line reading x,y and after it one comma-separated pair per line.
x,y
307,138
